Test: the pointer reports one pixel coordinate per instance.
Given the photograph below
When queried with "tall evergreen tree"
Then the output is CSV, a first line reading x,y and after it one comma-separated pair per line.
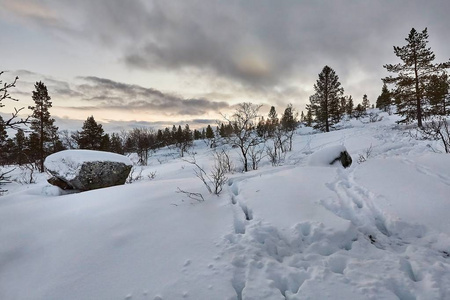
x,y
343,105
309,115
289,122
42,123
20,147
438,94
272,121
349,107
209,132
91,135
365,102
116,144
384,100
413,75
325,101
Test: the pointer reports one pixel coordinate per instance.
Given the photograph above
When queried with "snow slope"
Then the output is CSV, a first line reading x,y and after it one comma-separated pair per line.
x,y
377,230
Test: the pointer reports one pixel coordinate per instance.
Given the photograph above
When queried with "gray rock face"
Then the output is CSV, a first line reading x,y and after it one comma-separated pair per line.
x,y
100,174
344,158
87,170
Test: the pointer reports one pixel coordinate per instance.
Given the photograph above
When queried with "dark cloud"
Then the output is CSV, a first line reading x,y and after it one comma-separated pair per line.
x,y
25,85
264,42
108,94
100,93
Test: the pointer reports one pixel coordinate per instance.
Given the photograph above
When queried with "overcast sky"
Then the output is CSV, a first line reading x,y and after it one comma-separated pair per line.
x,y
171,62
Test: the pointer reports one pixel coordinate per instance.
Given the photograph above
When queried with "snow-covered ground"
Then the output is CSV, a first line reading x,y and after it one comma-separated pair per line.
x,y
303,230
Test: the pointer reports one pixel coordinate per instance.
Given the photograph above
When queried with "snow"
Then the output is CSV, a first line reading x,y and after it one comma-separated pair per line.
x,y
304,230
68,163
326,156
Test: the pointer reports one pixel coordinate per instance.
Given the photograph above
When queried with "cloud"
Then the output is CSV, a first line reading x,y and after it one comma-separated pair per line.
x,y
25,85
108,94
32,10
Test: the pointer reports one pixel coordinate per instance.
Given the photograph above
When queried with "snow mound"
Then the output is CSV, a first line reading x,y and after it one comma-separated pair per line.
x,y
325,157
68,163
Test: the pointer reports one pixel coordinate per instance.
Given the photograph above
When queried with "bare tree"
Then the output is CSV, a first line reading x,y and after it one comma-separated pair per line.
x,y
244,134
224,158
216,180
12,122
437,129
256,155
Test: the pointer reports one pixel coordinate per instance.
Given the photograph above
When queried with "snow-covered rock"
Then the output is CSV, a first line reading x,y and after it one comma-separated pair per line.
x,y
331,155
87,169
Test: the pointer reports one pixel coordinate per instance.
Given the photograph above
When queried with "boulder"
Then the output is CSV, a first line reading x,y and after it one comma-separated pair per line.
x,y
344,158
330,156
87,169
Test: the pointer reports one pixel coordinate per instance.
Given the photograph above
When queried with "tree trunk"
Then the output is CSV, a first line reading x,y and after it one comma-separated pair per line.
x,y
418,95
41,144
327,124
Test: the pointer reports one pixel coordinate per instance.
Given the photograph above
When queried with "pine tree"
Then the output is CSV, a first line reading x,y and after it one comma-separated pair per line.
x,y
365,102
32,143
116,144
343,105
324,102
185,139
105,144
359,111
272,121
20,147
289,123
309,115
302,117
438,94
209,132
413,75
349,107
384,100
42,123
167,137
91,135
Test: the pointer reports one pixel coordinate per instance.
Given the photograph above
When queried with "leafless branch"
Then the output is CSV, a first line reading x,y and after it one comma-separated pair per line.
x,y
195,196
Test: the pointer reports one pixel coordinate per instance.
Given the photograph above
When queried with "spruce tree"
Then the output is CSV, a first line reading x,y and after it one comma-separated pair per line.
x,y
309,115
365,102
438,94
20,145
343,105
42,123
384,100
349,106
272,121
209,132
116,144
289,123
325,101
91,135
413,75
